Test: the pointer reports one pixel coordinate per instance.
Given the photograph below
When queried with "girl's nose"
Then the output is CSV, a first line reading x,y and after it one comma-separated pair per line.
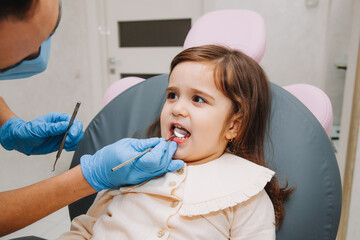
x,y
180,109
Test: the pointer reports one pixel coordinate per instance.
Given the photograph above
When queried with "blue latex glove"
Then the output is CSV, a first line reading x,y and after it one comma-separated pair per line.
x,y
42,135
97,168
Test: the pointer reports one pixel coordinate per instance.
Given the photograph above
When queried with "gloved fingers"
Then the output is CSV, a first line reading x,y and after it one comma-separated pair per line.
x,y
159,158
169,152
72,144
60,127
143,144
152,160
172,146
175,165
54,117
51,129
74,135
60,117
75,129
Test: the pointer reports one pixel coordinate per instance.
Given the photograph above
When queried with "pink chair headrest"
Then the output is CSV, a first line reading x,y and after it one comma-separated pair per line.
x,y
118,87
239,29
316,101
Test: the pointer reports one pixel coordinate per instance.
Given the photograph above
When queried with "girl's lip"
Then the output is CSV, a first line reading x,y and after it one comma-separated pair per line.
x,y
178,140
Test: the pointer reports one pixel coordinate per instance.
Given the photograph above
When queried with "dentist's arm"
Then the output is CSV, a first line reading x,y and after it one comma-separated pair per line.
x,y
5,112
24,206
21,207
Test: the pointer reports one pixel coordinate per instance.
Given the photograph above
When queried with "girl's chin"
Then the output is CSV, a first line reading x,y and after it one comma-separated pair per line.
x,y
178,155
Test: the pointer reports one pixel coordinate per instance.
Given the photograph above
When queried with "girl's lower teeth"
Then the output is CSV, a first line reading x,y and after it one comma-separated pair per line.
x,y
178,134
180,137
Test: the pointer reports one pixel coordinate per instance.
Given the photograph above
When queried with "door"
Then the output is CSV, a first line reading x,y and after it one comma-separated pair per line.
x,y
143,36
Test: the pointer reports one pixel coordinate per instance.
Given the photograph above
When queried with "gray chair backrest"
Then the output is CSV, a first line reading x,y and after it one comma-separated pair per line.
x,y
297,148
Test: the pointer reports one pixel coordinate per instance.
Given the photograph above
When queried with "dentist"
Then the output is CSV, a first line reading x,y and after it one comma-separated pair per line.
x,y
26,28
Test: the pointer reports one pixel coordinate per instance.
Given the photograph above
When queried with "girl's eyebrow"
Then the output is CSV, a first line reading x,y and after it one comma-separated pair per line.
x,y
197,91
171,89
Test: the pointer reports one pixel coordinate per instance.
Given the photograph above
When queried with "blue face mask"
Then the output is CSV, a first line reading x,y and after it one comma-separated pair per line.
x,y
28,68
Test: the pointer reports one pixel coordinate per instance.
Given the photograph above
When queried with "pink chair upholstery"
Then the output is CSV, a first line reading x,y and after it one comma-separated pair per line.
x,y
239,29
316,101
120,86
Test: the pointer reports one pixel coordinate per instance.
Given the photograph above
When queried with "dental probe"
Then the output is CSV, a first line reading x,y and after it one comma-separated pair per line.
x,y
63,140
137,156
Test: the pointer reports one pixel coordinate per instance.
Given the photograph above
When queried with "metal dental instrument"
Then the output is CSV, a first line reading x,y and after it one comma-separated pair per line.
x,y
137,156
63,140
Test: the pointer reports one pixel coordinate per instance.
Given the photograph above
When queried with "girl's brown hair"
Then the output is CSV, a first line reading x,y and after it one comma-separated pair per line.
x,y
242,80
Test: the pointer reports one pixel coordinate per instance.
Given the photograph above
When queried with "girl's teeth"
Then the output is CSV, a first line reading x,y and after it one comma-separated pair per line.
x,y
179,133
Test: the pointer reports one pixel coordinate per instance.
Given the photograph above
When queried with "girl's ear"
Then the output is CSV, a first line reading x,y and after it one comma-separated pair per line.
x,y
233,127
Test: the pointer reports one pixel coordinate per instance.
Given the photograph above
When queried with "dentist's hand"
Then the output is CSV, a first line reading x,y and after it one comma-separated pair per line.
x,y
97,168
42,135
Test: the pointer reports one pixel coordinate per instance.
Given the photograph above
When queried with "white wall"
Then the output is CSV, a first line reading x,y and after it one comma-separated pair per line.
x,y
337,52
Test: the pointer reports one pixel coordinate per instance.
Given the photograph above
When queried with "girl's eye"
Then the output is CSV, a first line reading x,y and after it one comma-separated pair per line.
x,y
171,95
198,99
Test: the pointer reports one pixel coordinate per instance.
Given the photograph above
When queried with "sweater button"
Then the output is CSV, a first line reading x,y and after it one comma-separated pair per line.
x,y
180,171
174,203
161,233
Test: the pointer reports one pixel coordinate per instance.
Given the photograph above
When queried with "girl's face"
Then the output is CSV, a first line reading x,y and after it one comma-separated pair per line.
x,y
197,113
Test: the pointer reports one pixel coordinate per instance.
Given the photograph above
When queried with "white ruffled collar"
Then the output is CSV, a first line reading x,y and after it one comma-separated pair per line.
x,y
213,186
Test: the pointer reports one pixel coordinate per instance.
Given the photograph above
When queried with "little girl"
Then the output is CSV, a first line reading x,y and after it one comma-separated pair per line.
x,y
216,109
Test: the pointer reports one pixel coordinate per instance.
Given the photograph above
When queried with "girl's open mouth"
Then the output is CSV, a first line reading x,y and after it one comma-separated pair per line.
x,y
180,133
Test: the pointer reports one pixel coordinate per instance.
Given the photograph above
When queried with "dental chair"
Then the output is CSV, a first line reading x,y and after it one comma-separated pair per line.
x,y
297,148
